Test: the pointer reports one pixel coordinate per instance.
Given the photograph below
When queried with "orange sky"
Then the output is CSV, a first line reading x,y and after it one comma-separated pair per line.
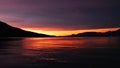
x,y
59,31
61,17
68,32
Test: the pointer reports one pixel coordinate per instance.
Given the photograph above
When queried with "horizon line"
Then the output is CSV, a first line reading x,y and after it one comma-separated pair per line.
x,y
70,32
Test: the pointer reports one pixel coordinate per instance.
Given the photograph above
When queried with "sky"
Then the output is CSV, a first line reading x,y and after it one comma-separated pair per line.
x,y
61,17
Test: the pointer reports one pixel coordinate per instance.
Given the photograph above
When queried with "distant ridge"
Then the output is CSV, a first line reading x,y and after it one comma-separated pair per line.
x,y
10,31
97,34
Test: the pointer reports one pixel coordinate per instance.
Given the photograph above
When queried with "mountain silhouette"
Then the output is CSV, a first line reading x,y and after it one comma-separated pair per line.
x,y
10,31
97,34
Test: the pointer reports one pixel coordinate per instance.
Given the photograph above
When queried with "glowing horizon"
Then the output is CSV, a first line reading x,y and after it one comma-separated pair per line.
x,y
61,31
69,32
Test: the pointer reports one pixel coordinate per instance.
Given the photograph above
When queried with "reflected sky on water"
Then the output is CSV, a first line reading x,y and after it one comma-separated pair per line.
x,y
85,50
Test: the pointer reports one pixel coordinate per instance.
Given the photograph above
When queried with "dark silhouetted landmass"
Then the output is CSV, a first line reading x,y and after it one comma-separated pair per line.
x,y
97,34
10,31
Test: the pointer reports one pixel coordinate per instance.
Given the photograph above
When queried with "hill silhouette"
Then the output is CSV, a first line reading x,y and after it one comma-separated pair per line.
x,y
10,31
97,34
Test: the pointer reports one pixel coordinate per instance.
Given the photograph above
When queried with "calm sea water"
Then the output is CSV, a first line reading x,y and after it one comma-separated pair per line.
x,y
57,52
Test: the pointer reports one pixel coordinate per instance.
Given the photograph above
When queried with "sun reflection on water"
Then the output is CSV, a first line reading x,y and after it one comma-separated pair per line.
x,y
52,43
58,49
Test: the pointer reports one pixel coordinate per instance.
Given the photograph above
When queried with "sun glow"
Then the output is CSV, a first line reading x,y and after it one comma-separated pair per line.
x,y
69,32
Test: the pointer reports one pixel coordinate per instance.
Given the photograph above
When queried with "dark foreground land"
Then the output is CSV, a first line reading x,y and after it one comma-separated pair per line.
x,y
66,53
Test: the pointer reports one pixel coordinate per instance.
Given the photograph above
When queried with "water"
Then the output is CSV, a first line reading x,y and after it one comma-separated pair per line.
x,y
63,52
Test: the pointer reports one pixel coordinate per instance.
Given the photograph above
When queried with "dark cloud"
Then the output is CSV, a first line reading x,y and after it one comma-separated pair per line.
x,y
69,14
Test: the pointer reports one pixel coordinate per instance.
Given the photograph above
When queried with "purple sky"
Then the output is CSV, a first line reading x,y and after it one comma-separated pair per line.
x,y
61,14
